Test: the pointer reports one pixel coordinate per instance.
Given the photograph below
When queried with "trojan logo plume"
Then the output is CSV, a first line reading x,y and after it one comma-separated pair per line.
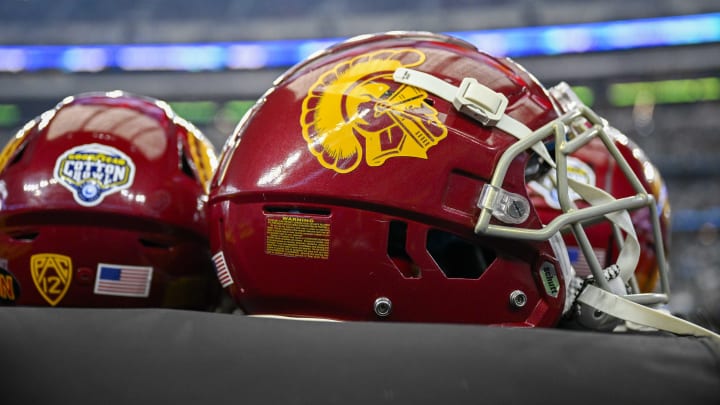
x,y
358,103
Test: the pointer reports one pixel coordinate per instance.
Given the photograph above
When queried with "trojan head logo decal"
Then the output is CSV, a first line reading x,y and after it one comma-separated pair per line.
x,y
51,274
202,157
357,103
93,171
9,287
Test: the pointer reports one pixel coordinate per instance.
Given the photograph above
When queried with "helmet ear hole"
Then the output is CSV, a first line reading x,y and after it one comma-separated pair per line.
x,y
457,257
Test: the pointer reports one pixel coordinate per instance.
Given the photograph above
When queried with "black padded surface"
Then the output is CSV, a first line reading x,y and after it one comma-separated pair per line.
x,y
119,356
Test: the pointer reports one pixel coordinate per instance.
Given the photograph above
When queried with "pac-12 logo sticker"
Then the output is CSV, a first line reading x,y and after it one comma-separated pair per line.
x,y
357,103
93,171
52,274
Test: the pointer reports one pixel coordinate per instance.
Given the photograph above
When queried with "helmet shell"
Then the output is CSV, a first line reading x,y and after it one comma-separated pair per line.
x,y
103,204
344,194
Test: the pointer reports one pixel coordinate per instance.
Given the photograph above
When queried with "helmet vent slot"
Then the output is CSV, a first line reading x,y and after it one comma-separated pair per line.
x,y
397,238
298,210
457,257
155,244
24,236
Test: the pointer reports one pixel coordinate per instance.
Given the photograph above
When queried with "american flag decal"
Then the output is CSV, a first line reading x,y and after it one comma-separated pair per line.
x,y
118,279
223,274
580,264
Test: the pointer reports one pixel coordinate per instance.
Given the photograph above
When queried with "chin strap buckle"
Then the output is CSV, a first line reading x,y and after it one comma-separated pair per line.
x,y
480,102
475,100
472,98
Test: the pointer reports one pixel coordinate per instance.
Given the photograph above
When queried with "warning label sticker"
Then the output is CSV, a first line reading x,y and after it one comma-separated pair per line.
x,y
297,236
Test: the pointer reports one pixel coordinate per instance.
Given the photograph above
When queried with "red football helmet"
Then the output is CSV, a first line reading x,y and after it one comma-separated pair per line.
x,y
385,178
103,204
592,164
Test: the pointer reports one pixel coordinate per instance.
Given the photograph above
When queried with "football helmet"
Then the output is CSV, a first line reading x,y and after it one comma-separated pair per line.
x,y
592,164
103,204
386,178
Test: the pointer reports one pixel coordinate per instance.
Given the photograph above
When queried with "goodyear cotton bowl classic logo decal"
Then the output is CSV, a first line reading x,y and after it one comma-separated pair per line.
x,y
94,171
358,102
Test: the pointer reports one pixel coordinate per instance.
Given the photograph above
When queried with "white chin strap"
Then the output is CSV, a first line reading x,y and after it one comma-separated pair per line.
x,y
630,252
488,108
613,303
622,308
472,98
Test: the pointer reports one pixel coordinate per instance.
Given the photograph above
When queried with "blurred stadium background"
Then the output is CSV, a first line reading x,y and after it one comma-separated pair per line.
x,y
652,68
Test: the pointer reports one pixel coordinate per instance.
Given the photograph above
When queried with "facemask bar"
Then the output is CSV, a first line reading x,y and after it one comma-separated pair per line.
x,y
567,101
572,217
481,103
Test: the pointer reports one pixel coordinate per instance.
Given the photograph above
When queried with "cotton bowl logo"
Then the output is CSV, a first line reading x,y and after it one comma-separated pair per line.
x,y
93,171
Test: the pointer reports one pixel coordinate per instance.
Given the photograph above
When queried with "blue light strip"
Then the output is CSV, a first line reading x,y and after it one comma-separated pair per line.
x,y
514,42
598,37
695,220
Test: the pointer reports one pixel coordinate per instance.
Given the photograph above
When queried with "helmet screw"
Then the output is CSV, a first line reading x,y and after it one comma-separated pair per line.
x,y
382,306
518,299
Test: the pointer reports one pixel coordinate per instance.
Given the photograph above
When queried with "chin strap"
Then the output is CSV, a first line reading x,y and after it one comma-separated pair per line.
x,y
630,252
627,310
475,100
616,305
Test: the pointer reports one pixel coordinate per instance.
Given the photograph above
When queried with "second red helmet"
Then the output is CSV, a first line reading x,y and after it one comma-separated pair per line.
x,y
102,204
